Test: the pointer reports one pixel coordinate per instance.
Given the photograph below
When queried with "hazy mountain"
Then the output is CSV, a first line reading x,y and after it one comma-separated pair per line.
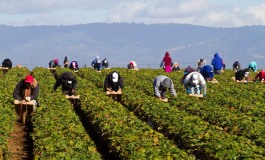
x,y
121,42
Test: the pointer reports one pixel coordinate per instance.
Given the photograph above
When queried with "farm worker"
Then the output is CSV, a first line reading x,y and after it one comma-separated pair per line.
x,y
27,89
194,83
161,84
68,82
74,66
200,63
7,63
114,83
242,74
166,62
260,76
132,65
54,63
175,67
65,62
236,66
207,72
96,63
105,63
253,66
186,72
217,63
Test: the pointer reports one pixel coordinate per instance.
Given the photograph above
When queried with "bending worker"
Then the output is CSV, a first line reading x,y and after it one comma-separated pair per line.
x,y
27,89
194,83
68,82
114,83
207,72
161,84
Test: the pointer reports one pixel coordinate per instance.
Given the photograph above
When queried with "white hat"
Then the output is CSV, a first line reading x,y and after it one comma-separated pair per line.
x,y
115,77
195,79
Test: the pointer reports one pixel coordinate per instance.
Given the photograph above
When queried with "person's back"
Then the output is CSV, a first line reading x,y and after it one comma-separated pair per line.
x,y
7,63
105,63
200,63
54,63
253,66
186,72
241,74
236,66
217,63
113,81
260,75
68,82
207,72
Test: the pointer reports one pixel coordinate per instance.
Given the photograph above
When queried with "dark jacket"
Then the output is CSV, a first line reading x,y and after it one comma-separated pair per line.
x,y
19,92
53,64
7,63
67,80
239,75
217,62
105,63
108,83
207,72
236,66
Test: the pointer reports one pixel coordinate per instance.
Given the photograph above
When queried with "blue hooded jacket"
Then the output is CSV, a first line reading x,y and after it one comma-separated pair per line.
x,y
253,66
217,62
207,72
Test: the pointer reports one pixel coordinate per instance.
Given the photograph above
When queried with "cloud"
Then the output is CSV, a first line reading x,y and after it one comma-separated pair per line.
x,y
67,12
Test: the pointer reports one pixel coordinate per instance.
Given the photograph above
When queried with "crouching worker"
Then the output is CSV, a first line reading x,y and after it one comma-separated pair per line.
x,y
161,84
260,76
132,65
194,83
207,72
27,89
68,82
242,74
113,85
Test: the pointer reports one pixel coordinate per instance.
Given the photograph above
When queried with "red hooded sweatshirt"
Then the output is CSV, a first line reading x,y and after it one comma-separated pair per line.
x,y
261,74
167,60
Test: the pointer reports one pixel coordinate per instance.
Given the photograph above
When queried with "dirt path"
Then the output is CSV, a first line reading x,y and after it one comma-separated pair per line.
x,y
20,143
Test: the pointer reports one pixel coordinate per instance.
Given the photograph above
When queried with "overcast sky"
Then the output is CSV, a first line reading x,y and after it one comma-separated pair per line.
x,y
214,13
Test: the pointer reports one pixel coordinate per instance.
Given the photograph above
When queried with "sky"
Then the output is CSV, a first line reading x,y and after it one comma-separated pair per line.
x,y
213,13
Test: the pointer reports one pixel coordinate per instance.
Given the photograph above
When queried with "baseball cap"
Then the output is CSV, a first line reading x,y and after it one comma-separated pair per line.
x,y
195,79
115,77
29,79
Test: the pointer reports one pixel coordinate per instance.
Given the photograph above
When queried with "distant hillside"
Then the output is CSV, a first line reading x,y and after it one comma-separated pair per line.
x,y
121,42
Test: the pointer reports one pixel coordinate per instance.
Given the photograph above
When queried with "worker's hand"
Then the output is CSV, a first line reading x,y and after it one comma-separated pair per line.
x,y
28,99
204,95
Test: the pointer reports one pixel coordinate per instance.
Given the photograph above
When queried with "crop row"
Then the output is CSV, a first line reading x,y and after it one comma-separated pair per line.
x,y
7,110
58,132
196,134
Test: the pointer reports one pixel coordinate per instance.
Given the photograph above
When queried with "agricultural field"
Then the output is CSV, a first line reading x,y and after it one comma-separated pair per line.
x,y
229,123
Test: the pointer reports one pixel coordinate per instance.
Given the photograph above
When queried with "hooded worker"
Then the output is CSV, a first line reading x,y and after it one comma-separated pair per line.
x,y
27,89
54,63
7,63
194,83
236,66
167,62
253,66
217,63
207,72
161,84
74,66
260,76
